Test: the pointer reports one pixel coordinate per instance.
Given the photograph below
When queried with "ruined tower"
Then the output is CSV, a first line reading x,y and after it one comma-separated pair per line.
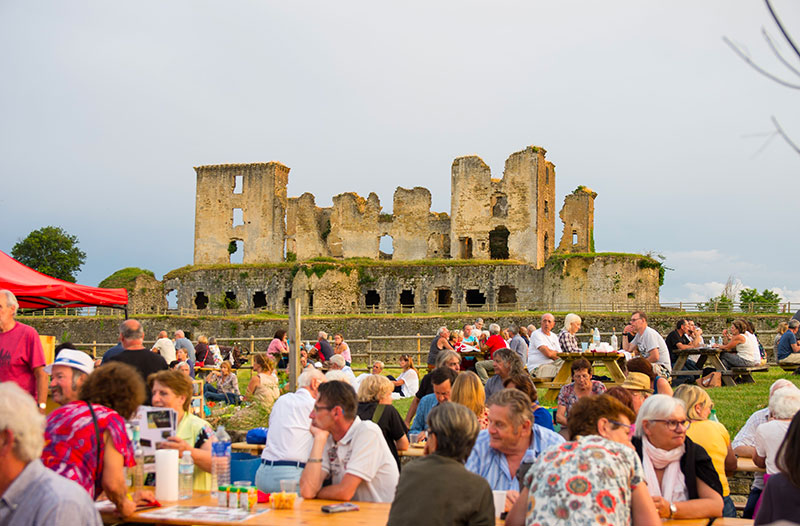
x,y
244,203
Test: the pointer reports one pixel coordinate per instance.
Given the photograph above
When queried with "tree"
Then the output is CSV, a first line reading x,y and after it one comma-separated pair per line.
x,y
752,301
723,302
52,251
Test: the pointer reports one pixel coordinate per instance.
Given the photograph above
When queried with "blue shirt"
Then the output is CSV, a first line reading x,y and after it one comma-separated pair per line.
x,y
427,403
118,348
785,345
492,465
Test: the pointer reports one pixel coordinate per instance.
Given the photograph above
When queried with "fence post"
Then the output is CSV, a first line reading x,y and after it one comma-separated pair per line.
x,y
252,344
94,349
419,346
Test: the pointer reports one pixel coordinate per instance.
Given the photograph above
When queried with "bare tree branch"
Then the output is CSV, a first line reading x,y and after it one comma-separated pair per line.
x,y
783,134
756,67
780,26
777,53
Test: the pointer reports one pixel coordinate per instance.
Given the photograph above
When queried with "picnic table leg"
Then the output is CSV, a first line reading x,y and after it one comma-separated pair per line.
x,y
561,378
727,379
615,370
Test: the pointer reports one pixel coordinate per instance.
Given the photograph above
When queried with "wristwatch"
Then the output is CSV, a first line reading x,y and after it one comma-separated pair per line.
x,y
673,509
43,406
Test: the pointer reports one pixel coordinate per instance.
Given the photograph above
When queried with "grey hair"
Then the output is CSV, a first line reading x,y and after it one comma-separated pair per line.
x,y
131,330
309,375
785,403
378,362
479,320
546,314
494,328
455,428
338,359
322,334
571,318
441,330
531,328
656,407
11,300
517,402
178,334
445,355
513,329
338,374
512,359
20,415
793,324
468,325
780,383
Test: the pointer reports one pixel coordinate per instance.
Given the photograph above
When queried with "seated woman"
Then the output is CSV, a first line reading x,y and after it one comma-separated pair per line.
x,y
278,347
679,474
712,436
109,395
781,497
658,384
174,390
263,387
596,476
743,351
408,382
522,382
437,490
375,404
227,389
582,385
468,391
340,347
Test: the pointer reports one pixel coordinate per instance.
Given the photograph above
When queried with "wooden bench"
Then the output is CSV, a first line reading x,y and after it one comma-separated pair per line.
x,y
788,367
746,373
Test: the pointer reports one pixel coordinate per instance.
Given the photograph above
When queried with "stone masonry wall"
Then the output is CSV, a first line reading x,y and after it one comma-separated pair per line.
x,y
577,214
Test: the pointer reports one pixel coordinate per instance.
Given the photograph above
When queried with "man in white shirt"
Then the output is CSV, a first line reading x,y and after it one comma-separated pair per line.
x,y
543,360
648,344
351,451
289,440
165,347
337,363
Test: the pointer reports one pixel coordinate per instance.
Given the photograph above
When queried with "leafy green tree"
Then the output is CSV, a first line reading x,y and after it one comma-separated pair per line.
x,y
719,303
752,301
52,251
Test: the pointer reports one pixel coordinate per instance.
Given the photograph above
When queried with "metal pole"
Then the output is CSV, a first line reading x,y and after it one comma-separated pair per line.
x,y
294,342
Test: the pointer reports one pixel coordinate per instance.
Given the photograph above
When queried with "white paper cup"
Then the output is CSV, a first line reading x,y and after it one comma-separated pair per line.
x,y
499,497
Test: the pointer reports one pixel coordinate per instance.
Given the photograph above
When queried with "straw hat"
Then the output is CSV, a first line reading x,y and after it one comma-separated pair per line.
x,y
637,382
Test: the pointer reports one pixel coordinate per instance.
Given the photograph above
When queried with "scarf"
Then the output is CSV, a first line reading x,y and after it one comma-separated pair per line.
x,y
673,484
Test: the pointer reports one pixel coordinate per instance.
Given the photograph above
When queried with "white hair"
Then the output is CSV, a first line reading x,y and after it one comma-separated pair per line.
x,y
338,360
785,403
309,375
336,374
656,407
569,319
441,330
378,362
494,328
20,415
11,300
322,334
780,383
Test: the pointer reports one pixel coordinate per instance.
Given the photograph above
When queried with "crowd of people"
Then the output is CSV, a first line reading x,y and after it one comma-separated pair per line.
x,y
635,453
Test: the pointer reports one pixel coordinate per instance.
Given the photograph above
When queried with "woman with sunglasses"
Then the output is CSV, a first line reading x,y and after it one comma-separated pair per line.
x,y
597,475
679,473
713,436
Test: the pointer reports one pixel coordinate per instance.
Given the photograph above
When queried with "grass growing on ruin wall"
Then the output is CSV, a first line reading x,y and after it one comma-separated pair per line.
x,y
644,260
124,278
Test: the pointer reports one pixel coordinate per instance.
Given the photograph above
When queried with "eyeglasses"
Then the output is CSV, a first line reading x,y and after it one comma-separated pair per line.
x,y
672,425
635,319
318,408
631,427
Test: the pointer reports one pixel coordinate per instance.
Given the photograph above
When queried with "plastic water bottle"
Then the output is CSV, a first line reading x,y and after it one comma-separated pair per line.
x,y
137,476
220,460
596,337
614,342
713,415
186,476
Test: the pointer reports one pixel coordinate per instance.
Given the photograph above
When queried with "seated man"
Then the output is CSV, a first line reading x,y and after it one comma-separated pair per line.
x,y
788,350
744,445
543,360
443,379
29,492
289,440
377,368
432,489
352,452
445,358
511,442
337,363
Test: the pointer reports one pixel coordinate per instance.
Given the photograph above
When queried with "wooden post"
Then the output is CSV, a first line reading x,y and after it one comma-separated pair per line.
x,y
252,344
94,349
294,342
419,357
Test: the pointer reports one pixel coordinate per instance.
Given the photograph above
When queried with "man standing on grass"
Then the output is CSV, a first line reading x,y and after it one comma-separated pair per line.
x,y
21,354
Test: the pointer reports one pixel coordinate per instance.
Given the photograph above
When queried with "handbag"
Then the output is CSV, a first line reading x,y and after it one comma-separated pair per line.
x,y
710,380
98,486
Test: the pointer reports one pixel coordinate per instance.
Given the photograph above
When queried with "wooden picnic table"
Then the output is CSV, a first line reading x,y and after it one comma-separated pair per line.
x,y
244,447
564,376
747,465
710,357
308,512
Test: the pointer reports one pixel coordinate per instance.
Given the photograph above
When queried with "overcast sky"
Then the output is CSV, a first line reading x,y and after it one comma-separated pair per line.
x,y
105,107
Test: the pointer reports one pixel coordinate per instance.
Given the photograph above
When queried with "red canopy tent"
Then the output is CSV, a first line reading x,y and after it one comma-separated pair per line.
x,y
35,290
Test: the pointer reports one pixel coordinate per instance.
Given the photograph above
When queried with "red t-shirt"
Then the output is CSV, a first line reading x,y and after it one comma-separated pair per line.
x,y
20,353
495,342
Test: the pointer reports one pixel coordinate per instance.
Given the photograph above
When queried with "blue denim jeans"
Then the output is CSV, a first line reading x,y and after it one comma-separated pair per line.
x,y
728,508
268,478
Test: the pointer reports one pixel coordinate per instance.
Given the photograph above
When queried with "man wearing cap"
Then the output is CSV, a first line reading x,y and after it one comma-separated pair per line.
x,y
638,385
67,374
21,354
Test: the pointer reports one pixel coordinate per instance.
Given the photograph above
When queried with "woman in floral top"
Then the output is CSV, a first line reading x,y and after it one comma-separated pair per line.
x,y
582,385
596,479
227,389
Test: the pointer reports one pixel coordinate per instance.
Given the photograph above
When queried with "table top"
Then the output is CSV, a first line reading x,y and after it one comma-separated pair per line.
x,y
308,512
595,355
412,451
747,464
249,448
